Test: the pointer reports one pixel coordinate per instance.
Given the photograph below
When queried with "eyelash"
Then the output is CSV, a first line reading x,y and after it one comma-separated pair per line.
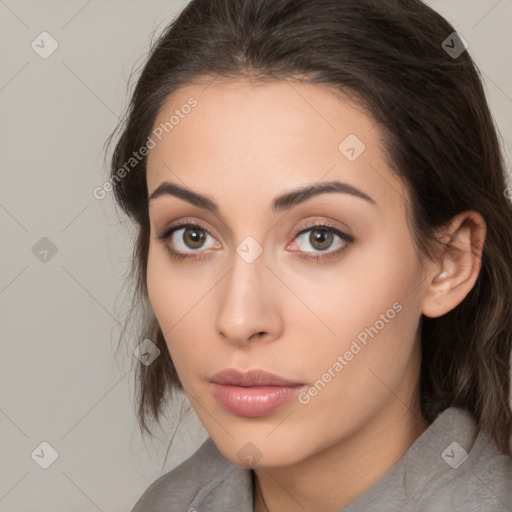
x,y
329,228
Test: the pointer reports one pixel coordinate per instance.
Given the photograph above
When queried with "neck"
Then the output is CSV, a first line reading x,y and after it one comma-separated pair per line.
x,y
329,480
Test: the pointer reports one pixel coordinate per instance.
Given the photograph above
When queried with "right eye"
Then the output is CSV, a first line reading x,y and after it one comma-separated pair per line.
x,y
181,240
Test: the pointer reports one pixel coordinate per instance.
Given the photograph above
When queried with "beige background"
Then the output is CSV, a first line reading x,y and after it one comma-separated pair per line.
x,y
60,382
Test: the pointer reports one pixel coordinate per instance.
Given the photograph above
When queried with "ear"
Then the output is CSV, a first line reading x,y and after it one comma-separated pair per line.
x,y
456,268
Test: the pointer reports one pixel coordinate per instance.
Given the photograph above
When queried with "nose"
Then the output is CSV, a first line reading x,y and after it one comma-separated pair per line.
x,y
248,303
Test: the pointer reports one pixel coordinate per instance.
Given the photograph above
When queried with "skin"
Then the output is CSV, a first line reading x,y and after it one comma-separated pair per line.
x,y
243,145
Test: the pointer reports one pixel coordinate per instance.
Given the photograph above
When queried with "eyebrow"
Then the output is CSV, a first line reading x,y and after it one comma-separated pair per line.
x,y
283,202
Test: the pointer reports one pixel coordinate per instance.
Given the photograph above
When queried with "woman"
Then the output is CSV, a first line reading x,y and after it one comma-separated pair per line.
x,y
324,244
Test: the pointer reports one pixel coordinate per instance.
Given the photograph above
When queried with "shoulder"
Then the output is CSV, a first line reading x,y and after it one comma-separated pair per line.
x,y
450,467
479,478
206,476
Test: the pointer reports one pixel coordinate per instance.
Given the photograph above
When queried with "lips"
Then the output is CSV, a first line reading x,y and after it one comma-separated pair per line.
x,y
232,377
253,393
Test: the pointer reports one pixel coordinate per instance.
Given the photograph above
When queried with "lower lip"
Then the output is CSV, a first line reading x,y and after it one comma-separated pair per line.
x,y
253,401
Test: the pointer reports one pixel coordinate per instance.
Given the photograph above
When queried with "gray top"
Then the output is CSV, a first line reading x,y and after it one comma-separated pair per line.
x,y
445,470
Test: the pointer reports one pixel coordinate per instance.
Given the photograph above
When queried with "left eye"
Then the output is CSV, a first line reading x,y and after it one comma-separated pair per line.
x,y
321,238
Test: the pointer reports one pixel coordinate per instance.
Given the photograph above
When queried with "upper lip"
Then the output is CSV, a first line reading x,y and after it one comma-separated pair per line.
x,y
233,377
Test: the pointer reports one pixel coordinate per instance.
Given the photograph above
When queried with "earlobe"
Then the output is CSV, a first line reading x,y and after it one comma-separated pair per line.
x,y
458,265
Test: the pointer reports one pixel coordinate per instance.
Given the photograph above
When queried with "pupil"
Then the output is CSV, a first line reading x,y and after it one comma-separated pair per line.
x,y
323,237
195,236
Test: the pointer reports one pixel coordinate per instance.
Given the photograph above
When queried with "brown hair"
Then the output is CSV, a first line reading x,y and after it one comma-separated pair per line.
x,y
440,139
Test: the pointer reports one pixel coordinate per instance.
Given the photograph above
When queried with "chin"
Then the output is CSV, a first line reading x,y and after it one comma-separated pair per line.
x,y
259,450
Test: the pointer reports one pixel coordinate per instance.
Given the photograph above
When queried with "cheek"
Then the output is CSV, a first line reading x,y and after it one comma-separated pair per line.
x,y
181,308
167,295
354,374
174,290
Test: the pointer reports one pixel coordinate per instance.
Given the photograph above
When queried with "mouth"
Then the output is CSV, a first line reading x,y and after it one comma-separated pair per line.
x,y
254,393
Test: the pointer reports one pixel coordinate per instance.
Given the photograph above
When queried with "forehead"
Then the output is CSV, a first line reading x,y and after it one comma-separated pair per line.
x,y
268,136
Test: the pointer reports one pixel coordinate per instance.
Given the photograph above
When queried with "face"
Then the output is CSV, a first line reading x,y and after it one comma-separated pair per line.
x,y
322,290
